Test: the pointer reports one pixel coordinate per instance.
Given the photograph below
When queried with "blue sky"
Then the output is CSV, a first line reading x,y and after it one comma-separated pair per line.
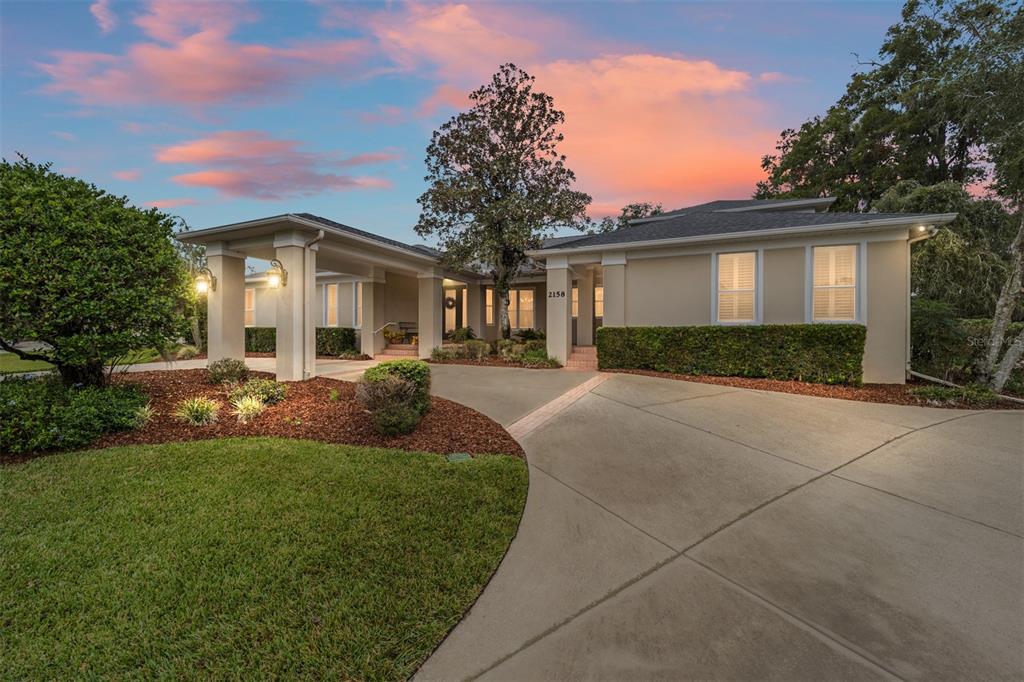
x,y
228,111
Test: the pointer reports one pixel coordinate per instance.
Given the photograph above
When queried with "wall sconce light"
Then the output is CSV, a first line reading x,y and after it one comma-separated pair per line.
x,y
205,282
277,276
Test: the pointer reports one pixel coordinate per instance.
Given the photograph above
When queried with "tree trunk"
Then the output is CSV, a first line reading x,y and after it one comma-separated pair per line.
x,y
1005,306
197,337
93,373
1010,359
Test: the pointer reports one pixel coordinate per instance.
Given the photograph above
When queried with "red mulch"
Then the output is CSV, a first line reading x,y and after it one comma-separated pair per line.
x,y
307,412
893,394
488,362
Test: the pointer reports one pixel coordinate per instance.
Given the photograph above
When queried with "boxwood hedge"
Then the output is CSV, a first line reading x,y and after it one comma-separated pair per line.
x,y
329,340
820,353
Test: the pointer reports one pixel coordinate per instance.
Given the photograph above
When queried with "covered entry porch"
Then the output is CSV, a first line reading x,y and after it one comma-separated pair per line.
x,y
399,284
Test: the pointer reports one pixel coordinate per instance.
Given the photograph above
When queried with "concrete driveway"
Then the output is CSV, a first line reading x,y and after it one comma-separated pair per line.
x,y
689,531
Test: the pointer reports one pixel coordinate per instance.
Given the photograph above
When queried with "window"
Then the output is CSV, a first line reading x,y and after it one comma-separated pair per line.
x,y
489,306
331,305
834,283
250,307
520,308
737,274
598,301
357,305
575,301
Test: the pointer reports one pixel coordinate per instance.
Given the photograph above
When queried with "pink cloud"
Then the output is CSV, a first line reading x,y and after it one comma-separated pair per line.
x,y
249,163
105,17
171,203
192,61
129,175
777,77
387,114
64,135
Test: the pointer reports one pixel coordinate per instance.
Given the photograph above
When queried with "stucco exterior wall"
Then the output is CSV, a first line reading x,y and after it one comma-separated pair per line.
x,y
265,314
667,291
784,279
401,298
886,345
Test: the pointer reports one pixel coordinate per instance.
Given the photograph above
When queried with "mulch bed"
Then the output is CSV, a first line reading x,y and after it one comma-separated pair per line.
x,y
893,394
307,412
489,362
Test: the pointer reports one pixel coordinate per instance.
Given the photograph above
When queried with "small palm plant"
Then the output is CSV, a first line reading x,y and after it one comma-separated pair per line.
x,y
247,408
197,411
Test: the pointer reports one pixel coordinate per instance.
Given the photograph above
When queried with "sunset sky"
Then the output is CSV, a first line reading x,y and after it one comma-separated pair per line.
x,y
221,112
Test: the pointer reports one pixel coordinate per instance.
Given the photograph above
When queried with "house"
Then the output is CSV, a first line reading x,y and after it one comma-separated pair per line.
x,y
723,262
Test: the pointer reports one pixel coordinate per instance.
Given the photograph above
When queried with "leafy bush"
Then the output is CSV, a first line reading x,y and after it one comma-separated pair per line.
x,y
396,420
247,407
477,349
227,370
197,411
530,335
394,335
186,353
267,391
442,353
353,355
970,395
518,351
391,390
461,334
937,339
143,415
473,349
42,414
821,353
260,339
335,341
538,357
416,372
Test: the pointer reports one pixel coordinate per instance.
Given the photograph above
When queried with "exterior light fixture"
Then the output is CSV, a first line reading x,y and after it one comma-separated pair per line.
x,y
277,276
205,282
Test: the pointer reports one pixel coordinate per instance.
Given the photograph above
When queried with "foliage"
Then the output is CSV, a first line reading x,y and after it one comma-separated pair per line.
x,y
394,403
260,339
629,212
187,352
197,411
193,258
143,415
819,353
473,349
530,335
335,341
247,407
333,395
461,334
497,182
937,339
442,353
156,539
227,370
42,414
266,390
396,420
415,372
393,335
538,357
971,395
83,271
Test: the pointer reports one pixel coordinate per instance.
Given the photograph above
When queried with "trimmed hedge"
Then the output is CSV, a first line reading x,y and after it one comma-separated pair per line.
x,y
819,353
329,340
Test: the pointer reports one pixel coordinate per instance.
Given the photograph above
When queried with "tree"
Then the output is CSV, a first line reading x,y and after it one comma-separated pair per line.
x,y
82,272
193,257
629,212
497,182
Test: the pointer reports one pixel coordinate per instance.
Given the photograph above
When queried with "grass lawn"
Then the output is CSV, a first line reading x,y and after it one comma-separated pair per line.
x,y
12,364
244,557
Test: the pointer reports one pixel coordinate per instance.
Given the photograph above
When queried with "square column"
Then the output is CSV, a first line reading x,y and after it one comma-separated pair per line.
x,y
431,309
475,308
585,319
373,317
559,309
225,325
614,267
296,330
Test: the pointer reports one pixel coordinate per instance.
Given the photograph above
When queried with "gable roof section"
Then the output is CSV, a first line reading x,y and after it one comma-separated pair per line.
x,y
743,205
341,227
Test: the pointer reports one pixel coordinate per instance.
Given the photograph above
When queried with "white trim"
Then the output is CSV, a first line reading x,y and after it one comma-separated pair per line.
x,y
860,285
613,258
221,249
758,288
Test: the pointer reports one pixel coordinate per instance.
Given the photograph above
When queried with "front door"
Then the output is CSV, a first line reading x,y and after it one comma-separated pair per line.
x,y
453,313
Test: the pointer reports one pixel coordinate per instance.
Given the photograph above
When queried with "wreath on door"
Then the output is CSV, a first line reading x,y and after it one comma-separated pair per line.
x,y
449,303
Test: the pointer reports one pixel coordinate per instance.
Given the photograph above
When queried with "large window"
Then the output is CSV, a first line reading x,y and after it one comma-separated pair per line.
x,y
737,295
520,308
598,301
331,305
357,305
489,306
834,283
250,307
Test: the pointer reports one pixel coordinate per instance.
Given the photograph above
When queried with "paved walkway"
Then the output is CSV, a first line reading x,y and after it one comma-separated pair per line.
x,y
690,531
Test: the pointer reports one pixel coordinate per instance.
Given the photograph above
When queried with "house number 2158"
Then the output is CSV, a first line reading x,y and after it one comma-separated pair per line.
x,y
556,294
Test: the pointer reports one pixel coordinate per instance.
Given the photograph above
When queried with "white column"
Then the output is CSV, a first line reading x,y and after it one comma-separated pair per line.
x,y
559,309
225,330
373,315
475,308
614,270
292,327
313,313
585,318
430,311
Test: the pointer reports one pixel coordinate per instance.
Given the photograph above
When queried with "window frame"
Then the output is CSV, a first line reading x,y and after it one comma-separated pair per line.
x,y
860,269
513,323
758,287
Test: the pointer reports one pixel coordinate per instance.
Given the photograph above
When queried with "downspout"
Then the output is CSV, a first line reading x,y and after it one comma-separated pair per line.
x,y
308,365
930,231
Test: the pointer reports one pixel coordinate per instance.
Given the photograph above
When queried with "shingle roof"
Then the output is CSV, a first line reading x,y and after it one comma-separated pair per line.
x,y
419,250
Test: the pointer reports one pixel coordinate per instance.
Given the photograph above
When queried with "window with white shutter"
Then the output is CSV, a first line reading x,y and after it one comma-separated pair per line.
x,y
737,293
835,283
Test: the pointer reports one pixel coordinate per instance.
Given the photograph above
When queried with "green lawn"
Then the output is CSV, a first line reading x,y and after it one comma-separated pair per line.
x,y
244,557
12,364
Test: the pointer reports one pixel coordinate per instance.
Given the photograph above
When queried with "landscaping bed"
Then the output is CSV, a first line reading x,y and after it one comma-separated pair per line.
x,y
491,361
893,394
307,412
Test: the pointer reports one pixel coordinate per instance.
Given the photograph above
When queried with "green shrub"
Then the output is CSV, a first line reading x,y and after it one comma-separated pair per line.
x,y
394,403
143,415
442,353
197,411
461,334
393,335
415,372
227,370
477,349
186,353
42,414
335,341
530,335
938,340
970,395
260,339
821,353
247,407
396,420
267,391
537,357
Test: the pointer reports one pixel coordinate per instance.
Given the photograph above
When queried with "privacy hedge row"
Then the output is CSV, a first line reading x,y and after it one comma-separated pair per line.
x,y
329,340
820,353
